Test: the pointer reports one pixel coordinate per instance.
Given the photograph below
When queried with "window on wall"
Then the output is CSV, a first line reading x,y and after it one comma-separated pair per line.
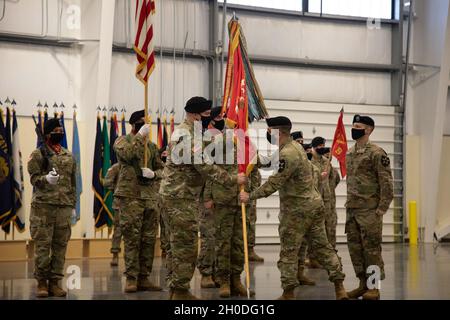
x,y
293,5
357,8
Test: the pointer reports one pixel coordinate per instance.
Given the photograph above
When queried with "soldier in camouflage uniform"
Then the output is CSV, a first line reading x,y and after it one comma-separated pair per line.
x,y
52,174
369,195
185,174
324,165
110,183
301,211
137,202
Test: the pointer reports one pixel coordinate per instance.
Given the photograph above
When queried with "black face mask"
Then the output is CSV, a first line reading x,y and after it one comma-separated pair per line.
x,y
219,125
358,133
321,151
138,126
56,138
272,139
205,122
309,155
163,159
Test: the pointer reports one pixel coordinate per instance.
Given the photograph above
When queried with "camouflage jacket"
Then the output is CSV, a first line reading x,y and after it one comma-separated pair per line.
x,y
111,177
317,177
130,155
64,192
294,180
324,165
369,178
186,179
223,194
335,178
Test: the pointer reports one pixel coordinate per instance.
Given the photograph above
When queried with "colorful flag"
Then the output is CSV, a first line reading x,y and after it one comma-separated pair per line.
x,y
113,134
64,139
6,222
107,194
124,125
172,122
143,45
77,156
6,172
159,136
165,136
18,188
41,125
243,101
339,147
100,215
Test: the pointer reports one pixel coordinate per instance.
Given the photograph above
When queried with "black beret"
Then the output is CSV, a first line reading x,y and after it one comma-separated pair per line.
x,y
215,112
364,120
297,135
279,122
51,124
198,105
317,141
136,116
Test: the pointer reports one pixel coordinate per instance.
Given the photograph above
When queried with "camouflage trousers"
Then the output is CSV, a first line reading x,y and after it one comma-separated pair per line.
x,y
330,228
182,219
294,226
138,222
117,234
229,242
206,256
163,233
50,229
364,236
251,217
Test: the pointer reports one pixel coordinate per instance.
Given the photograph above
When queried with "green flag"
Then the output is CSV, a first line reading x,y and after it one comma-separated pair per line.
x,y
107,195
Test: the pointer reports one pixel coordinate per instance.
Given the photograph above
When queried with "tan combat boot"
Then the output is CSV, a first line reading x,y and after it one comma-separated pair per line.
x,y
54,289
183,294
372,294
207,282
115,260
252,256
42,289
304,280
237,289
358,292
340,290
288,294
225,291
131,285
143,284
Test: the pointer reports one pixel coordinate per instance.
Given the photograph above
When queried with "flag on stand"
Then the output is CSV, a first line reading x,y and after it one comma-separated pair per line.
x,y
172,122
143,45
19,211
6,172
159,136
45,115
113,134
242,100
165,136
339,147
40,124
124,125
6,223
107,194
77,156
64,139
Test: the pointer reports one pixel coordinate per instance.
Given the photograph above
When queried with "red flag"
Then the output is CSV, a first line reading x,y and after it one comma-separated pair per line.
x,y
143,45
159,135
339,147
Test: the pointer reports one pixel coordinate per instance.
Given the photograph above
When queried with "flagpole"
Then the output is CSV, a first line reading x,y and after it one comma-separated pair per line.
x,y
146,120
12,227
244,233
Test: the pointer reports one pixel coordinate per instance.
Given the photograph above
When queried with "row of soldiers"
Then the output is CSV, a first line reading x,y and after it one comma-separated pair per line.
x,y
192,195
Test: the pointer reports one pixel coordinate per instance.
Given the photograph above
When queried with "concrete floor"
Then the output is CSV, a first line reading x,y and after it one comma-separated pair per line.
x,y
411,273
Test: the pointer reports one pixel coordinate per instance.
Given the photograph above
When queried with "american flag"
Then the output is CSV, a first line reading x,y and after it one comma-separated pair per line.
x,y
143,45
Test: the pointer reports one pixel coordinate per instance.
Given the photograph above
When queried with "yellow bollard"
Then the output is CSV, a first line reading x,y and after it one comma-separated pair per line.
x,y
413,230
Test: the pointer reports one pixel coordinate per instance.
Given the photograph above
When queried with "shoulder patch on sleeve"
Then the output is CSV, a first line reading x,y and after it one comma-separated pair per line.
x,y
385,161
281,165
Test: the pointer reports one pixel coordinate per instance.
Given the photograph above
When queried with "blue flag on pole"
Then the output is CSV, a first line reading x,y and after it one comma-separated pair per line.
x,y
77,155
18,188
6,180
64,139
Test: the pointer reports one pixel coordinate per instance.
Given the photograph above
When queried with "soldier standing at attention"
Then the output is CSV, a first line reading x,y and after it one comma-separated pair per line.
x,y
369,195
52,174
137,202
110,183
301,211
185,175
